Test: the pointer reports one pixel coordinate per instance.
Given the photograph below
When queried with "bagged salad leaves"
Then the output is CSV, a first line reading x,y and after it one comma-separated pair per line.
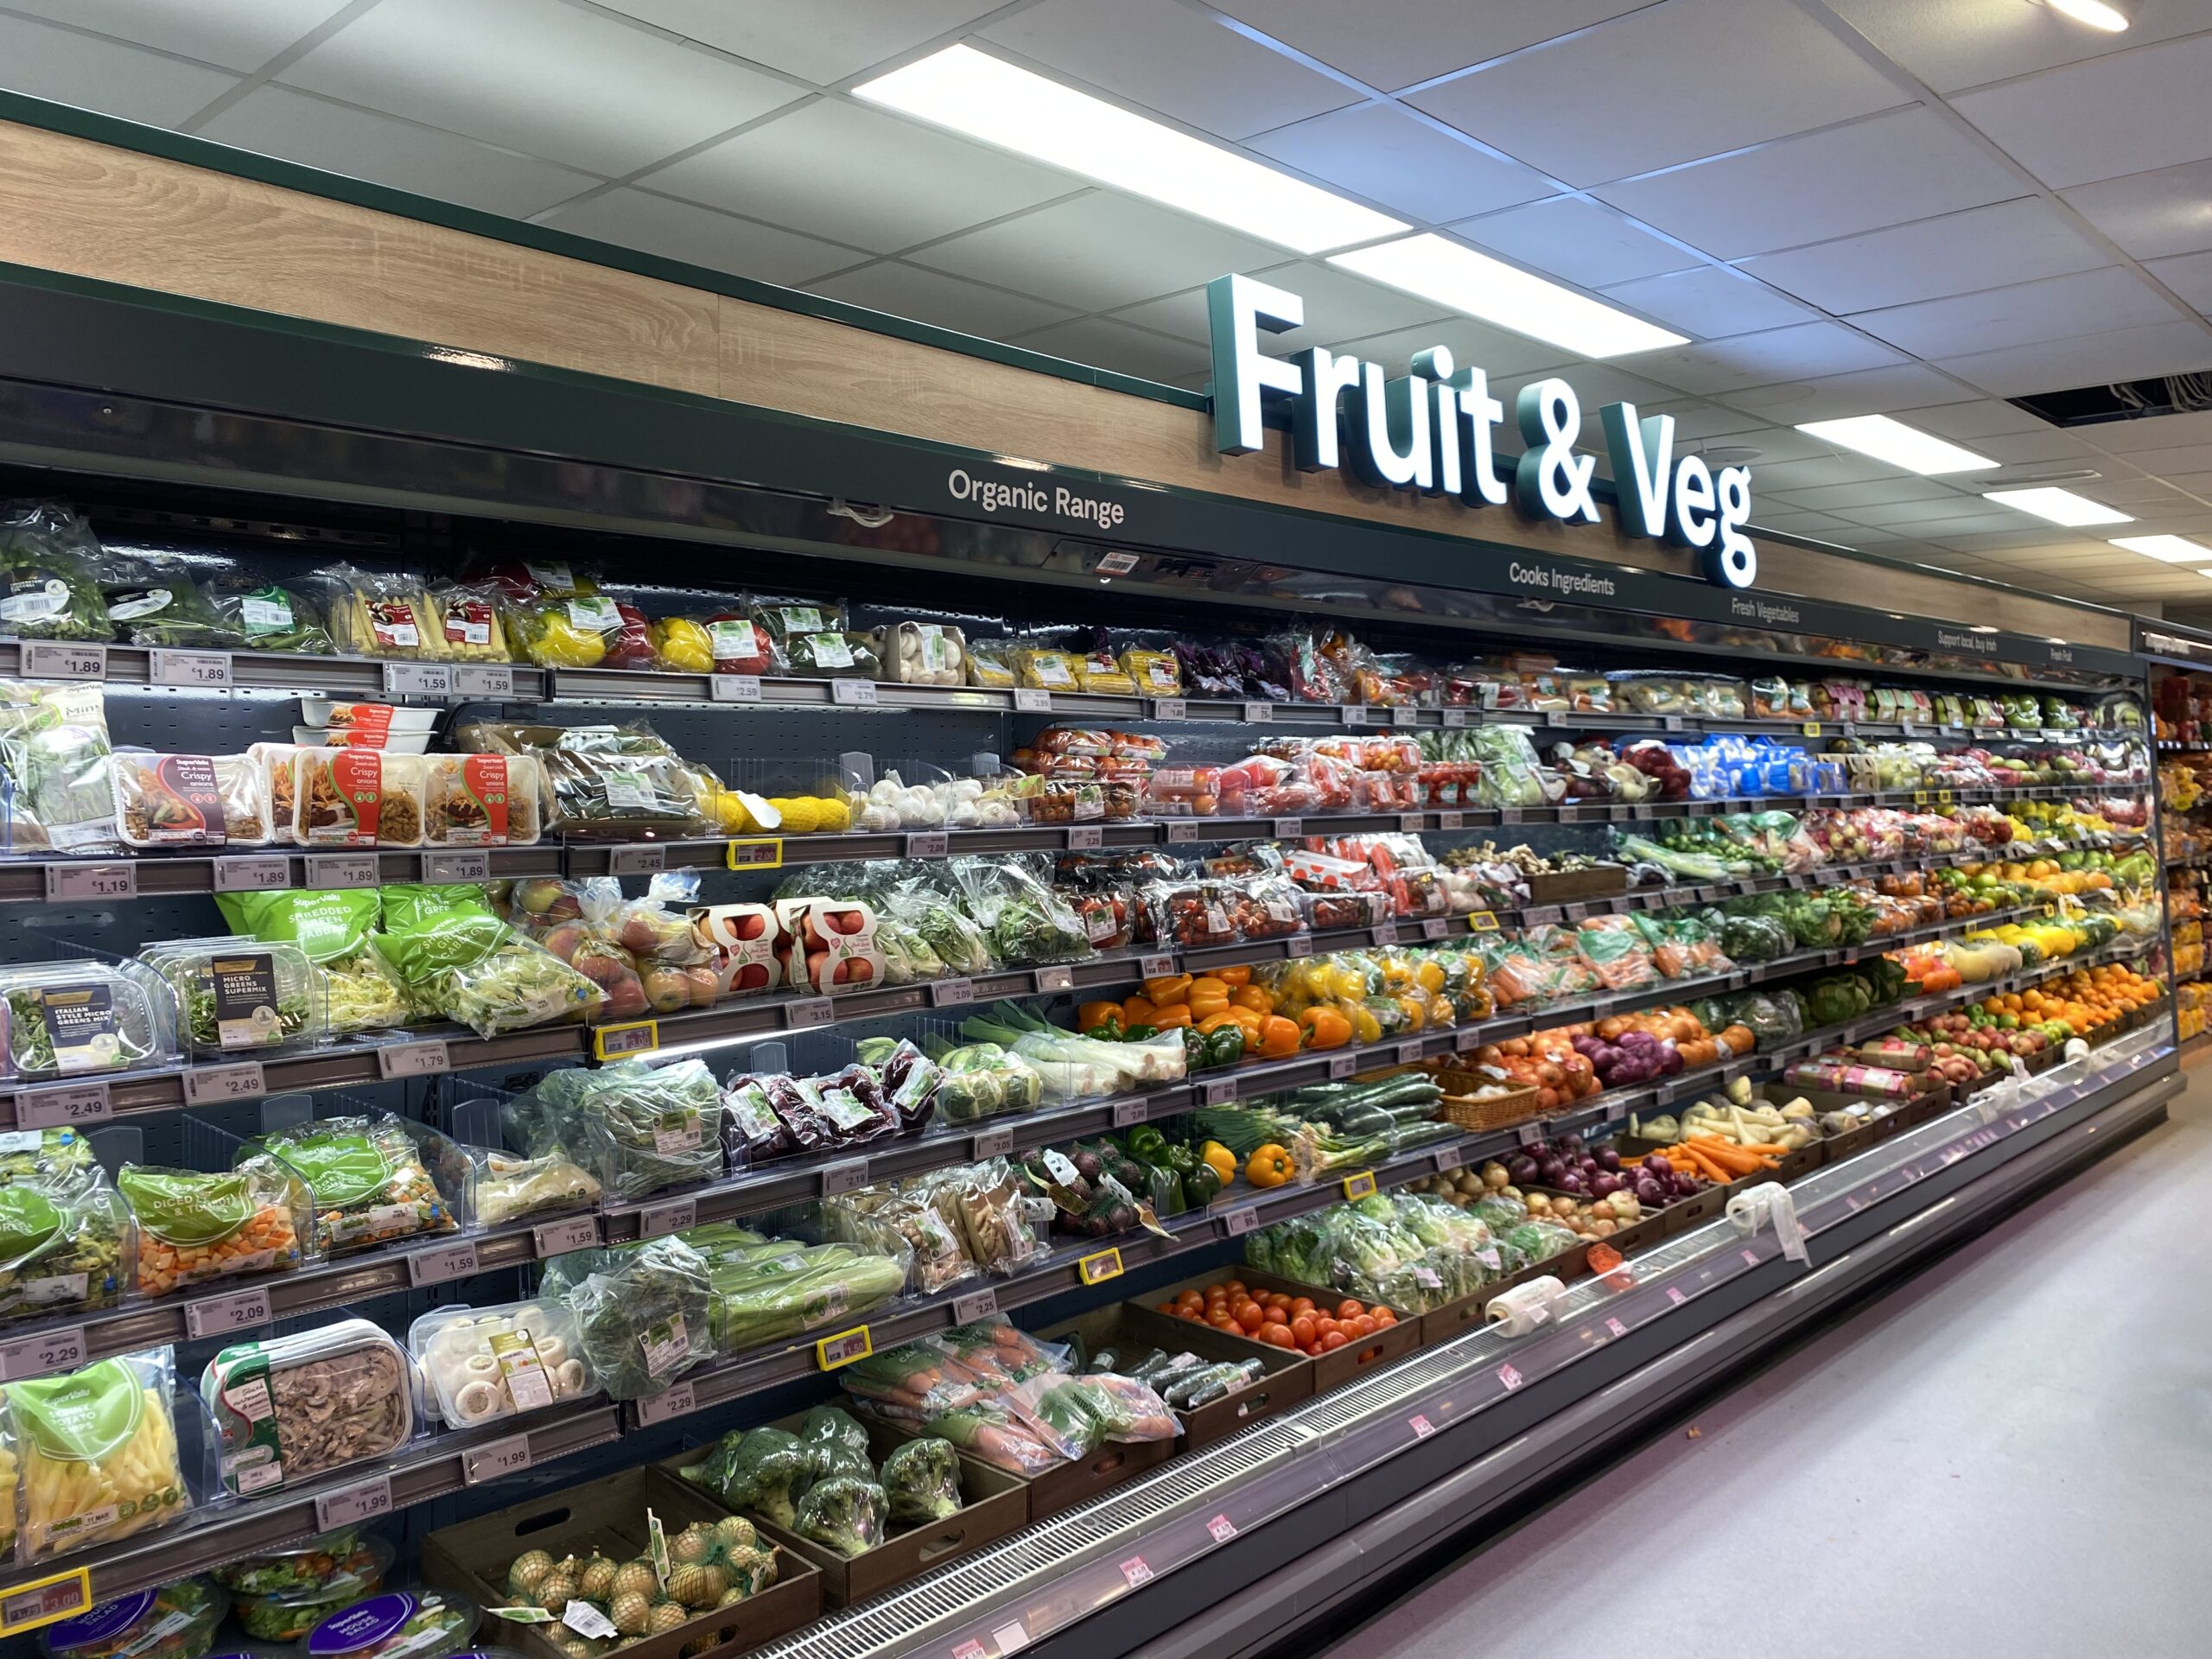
x,y
66,1244
472,966
54,745
332,930
84,1439
194,1226
645,1317
48,585
155,601
370,1182
270,616
303,1586
1024,919
639,1129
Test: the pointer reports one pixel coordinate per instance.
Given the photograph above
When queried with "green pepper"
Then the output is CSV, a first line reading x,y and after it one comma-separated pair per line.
x,y
1201,1184
1194,1050
1224,1045
1146,1142
1139,1034
1108,1030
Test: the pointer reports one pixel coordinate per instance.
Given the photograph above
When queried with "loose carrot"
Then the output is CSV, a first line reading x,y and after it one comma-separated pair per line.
x,y
1706,1167
1723,1153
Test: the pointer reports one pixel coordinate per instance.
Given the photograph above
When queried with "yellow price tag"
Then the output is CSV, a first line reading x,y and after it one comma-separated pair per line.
x,y
1812,728
1943,797
1361,1186
44,1600
621,1042
1098,1270
843,1348
763,854
1920,797
1483,921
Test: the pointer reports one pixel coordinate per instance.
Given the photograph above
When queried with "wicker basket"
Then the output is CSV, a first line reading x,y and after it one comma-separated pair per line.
x,y
1497,1112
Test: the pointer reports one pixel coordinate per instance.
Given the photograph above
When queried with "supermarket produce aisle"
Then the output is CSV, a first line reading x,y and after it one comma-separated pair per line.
x,y
2010,1453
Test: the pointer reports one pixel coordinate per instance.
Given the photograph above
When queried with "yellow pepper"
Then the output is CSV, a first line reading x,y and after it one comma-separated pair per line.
x,y
1220,1160
1207,996
1162,993
684,646
1254,997
1232,977
1365,1028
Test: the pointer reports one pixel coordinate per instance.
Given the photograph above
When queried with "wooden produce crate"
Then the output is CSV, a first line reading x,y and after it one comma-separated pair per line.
x,y
1286,1377
1573,886
609,1515
1330,1370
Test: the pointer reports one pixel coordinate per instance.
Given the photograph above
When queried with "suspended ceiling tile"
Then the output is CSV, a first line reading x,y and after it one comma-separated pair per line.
x,y
2171,463
1803,352
2189,276
1867,391
1097,251
1928,518
1978,418
2025,314
2049,447
1506,359
2088,359
1696,421
676,229
1595,385
1782,480
1384,154
100,74
1616,100
1881,490
1410,41
1777,446
1952,44
1105,344
1709,303
2156,432
576,87
1995,542
315,132
823,40
1173,60
1958,253
1576,240
842,170
2125,113
931,297
231,34
2166,211
1907,164
1337,308
1818,525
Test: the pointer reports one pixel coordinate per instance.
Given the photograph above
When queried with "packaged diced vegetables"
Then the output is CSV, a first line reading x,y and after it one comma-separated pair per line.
x,y
481,800
67,1241
48,589
88,1440
194,1226
271,616
174,1621
235,994
367,1176
488,1362
290,1407
75,1018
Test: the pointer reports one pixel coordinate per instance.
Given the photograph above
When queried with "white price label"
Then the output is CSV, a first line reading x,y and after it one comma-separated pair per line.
x,y
1384,932
657,1220
933,844
418,679
1222,1528
326,871
424,1059
805,1013
1055,979
1509,1376
216,1316
484,681
1128,1114
49,1351
848,1177
1028,700
636,861
951,993
1615,1326
268,872
1158,965
853,694
211,1085
1509,815
1421,1427
446,869
1670,723
1260,714
447,1261
1409,1052
1529,1134
1170,708
189,668
1289,829
1413,823
991,1143
1354,714
1086,838
1434,927
675,1400
352,1505
1405,717
507,1457
977,1304
1450,1158
1181,829
63,1106
734,688
1466,1042
1343,1065
551,1238
1219,1093
49,661
1455,718
1237,1222
78,881
1134,1572
1674,1295
1451,820
1297,944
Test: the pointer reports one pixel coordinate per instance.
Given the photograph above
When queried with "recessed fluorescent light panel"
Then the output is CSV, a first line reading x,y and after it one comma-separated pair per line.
x,y
985,97
1480,286
1898,444
2097,14
2173,549
2060,506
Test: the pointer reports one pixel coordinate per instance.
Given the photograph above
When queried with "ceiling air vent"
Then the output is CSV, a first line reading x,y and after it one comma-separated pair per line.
x,y
2125,400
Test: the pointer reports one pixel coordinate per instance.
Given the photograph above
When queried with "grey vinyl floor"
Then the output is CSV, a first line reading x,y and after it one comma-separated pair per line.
x,y
2012,1453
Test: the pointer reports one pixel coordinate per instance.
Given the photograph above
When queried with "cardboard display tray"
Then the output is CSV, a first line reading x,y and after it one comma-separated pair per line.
x,y
1330,1370
1286,1377
609,1513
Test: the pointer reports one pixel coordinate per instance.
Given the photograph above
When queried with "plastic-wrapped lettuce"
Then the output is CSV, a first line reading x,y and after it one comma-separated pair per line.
x,y
646,1317
477,969
48,589
638,1128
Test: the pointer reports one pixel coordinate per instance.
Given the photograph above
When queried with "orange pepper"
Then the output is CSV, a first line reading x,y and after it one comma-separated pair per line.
x,y
1268,1166
1252,1023
1176,988
1207,996
1257,998
1172,1017
1232,977
1324,1027
1279,1037
1097,1013
1139,1011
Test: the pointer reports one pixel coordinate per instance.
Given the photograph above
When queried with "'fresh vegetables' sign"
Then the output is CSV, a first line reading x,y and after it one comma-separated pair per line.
x,y
1434,430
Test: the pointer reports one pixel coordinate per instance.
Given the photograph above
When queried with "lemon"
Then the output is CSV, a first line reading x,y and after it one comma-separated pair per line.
x,y
729,808
836,817
802,814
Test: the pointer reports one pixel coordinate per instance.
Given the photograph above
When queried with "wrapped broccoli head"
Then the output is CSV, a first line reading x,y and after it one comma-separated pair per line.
x,y
769,1474
828,1423
713,1470
844,1512
922,1478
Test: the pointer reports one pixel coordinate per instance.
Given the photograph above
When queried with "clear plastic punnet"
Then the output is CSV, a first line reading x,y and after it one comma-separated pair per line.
x,y
236,996
482,1364
291,1407
85,1016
